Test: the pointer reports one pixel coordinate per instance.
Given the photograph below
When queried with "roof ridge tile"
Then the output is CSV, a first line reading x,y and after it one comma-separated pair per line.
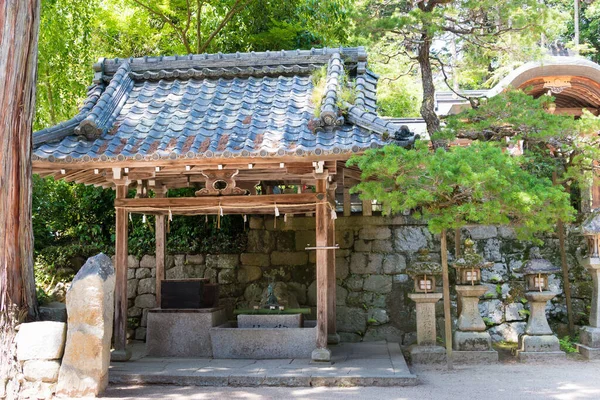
x,y
105,111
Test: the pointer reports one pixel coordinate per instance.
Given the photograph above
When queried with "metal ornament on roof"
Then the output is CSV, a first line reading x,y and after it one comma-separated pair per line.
x,y
470,264
557,84
424,265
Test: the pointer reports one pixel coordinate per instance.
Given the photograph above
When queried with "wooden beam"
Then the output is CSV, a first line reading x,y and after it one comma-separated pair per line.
x,y
347,203
226,202
367,208
160,234
322,267
198,163
120,328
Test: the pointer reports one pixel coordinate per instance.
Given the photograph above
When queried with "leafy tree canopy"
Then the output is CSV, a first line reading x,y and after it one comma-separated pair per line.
x,y
480,184
572,144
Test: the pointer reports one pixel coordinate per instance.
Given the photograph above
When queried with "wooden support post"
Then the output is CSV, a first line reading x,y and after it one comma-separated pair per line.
x,y
367,208
120,352
332,336
323,218
347,203
160,234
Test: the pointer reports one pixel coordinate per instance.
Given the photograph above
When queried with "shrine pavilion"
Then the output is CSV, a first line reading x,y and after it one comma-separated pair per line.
x,y
227,124
223,123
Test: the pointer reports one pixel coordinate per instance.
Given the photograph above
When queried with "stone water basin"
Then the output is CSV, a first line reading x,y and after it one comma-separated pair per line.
x,y
264,337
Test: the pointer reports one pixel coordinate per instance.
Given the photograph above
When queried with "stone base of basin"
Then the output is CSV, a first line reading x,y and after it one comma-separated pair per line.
x,y
427,354
321,356
542,343
539,348
269,321
472,341
229,341
182,332
590,336
590,353
541,356
475,357
120,355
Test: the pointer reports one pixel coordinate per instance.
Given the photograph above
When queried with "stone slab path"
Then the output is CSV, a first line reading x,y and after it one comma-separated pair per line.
x,y
353,364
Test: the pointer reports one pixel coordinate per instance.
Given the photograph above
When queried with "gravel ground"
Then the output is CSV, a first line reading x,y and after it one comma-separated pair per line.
x,y
569,380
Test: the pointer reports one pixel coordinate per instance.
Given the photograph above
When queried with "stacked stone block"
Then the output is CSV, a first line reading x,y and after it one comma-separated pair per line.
x,y
40,347
372,286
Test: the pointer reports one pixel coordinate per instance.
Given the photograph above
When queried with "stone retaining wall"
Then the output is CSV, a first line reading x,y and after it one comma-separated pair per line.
x,y
372,287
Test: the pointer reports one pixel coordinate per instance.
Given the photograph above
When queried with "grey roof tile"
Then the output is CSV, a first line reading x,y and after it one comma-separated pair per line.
x,y
258,112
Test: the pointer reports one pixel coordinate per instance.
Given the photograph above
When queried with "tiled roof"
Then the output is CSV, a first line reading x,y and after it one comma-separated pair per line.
x,y
223,105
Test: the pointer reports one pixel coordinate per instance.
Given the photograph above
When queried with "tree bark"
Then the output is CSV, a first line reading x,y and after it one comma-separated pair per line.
x,y
446,291
560,227
19,24
428,104
565,272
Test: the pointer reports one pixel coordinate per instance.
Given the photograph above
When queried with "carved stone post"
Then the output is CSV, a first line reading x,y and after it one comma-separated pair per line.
x,y
538,343
471,341
590,335
426,351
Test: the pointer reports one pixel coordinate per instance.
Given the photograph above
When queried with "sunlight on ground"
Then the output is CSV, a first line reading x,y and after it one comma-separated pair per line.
x,y
576,392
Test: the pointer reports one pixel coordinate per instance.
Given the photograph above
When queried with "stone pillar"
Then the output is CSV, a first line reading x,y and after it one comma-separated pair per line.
x,y
590,335
538,343
471,341
90,307
426,351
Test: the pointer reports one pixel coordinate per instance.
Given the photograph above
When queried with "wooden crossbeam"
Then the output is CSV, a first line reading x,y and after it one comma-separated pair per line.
x,y
264,204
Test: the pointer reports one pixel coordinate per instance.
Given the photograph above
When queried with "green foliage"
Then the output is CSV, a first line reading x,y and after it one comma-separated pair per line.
x,y
64,59
478,184
475,42
553,144
488,321
398,91
567,344
73,222
319,80
64,213
499,290
524,313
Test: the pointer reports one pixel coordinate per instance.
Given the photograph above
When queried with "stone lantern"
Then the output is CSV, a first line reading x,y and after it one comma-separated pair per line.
x,y
538,343
472,343
423,273
590,335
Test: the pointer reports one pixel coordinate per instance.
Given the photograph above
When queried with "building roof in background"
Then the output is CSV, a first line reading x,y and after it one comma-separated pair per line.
x,y
221,106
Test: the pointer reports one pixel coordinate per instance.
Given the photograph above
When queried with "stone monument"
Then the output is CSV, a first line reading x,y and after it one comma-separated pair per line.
x,y
423,272
90,308
590,335
538,343
472,343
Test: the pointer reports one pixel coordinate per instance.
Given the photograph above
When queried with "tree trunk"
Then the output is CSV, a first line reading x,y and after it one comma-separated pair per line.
x,y
446,290
560,227
428,105
19,23
576,7
456,257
